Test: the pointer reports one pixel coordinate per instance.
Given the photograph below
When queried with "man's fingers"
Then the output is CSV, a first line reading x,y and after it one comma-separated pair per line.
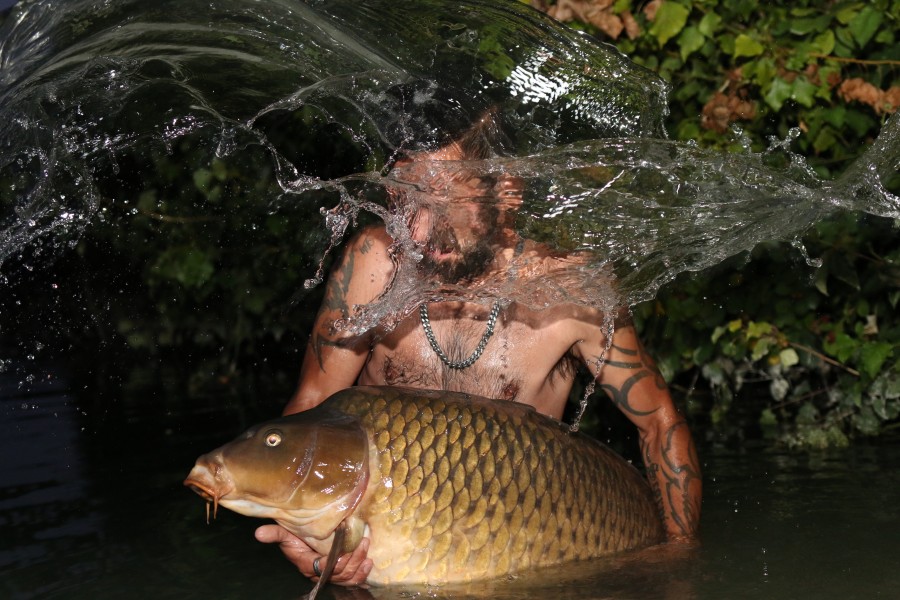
x,y
353,568
293,548
271,534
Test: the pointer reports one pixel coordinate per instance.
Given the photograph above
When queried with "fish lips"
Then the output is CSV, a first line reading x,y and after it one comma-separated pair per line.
x,y
207,484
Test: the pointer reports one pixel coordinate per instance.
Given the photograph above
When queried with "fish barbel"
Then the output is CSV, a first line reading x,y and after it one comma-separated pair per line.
x,y
448,487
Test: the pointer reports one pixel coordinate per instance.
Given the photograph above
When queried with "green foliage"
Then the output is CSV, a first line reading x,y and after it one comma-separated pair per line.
x,y
811,356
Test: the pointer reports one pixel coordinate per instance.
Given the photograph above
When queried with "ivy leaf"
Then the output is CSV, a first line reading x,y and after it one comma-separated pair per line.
x,y
709,24
846,14
842,348
824,140
788,357
670,20
189,266
758,329
779,91
873,355
203,180
744,45
810,25
690,41
803,92
864,25
824,42
761,348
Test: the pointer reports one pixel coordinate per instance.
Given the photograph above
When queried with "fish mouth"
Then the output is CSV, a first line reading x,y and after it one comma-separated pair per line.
x,y
206,492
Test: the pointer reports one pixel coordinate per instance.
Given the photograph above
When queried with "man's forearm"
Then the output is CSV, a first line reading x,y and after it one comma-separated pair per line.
x,y
674,473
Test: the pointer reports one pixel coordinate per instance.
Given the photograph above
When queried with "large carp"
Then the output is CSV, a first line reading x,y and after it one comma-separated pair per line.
x,y
448,487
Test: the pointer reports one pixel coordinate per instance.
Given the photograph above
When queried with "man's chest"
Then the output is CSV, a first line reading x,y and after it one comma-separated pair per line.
x,y
515,361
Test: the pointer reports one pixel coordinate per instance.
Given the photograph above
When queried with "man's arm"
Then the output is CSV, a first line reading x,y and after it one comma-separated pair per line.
x,y
334,358
333,362
630,378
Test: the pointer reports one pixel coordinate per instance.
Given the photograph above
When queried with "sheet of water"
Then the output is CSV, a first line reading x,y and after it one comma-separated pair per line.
x,y
91,91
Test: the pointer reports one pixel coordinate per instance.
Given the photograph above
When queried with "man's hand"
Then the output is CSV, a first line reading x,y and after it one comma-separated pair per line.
x,y
352,569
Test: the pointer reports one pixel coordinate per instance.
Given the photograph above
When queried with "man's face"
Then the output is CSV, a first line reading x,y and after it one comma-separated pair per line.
x,y
463,240
461,216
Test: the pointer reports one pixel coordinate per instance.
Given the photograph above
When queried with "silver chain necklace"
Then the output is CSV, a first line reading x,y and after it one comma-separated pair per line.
x,y
491,322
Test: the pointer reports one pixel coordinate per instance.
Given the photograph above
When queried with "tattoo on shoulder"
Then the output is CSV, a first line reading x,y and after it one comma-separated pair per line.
x,y
338,287
334,306
365,245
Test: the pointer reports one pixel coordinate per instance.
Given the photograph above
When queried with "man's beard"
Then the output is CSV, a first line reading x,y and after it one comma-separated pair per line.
x,y
471,262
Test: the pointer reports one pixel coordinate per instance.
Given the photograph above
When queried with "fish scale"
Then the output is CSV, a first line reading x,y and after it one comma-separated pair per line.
x,y
492,488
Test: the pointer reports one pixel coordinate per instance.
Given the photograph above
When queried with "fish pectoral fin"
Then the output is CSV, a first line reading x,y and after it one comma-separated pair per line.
x,y
337,545
354,530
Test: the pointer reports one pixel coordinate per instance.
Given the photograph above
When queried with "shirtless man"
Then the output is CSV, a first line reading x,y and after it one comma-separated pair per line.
x,y
527,356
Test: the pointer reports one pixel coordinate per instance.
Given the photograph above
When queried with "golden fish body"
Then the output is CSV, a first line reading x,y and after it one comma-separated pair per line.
x,y
448,487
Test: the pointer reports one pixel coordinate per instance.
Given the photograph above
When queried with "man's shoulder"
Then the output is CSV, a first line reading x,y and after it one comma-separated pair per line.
x,y
375,231
372,240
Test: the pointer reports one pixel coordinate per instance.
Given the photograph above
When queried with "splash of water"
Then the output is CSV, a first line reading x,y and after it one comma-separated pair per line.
x,y
336,91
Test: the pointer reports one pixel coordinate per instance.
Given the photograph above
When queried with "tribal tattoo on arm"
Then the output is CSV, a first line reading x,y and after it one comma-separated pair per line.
x,y
636,370
673,469
635,385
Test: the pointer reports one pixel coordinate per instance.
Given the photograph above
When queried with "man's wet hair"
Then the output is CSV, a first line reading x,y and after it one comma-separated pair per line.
x,y
426,117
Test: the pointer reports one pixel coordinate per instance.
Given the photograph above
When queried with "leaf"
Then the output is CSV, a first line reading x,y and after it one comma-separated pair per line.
x,y
867,421
767,418
846,14
803,92
779,91
761,348
709,24
190,266
864,25
717,333
824,140
788,357
810,25
690,41
670,20
744,45
873,355
758,329
824,42
203,179
843,347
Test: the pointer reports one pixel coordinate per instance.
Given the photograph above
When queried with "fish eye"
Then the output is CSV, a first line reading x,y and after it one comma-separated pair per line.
x,y
273,438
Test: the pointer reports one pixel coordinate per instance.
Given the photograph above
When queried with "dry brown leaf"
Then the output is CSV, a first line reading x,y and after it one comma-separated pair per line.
x,y
860,90
723,109
651,8
891,100
608,23
598,13
632,29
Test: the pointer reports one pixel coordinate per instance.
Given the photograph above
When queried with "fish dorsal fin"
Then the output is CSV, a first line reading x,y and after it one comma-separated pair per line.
x,y
337,546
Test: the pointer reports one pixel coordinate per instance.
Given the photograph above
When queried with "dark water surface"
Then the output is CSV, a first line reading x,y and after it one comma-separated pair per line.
x,y
92,506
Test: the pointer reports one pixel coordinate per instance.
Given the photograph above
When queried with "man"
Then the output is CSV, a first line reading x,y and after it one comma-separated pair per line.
x,y
507,351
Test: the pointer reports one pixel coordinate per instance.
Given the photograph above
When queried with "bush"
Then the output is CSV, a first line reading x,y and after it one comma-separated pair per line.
x,y
808,354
